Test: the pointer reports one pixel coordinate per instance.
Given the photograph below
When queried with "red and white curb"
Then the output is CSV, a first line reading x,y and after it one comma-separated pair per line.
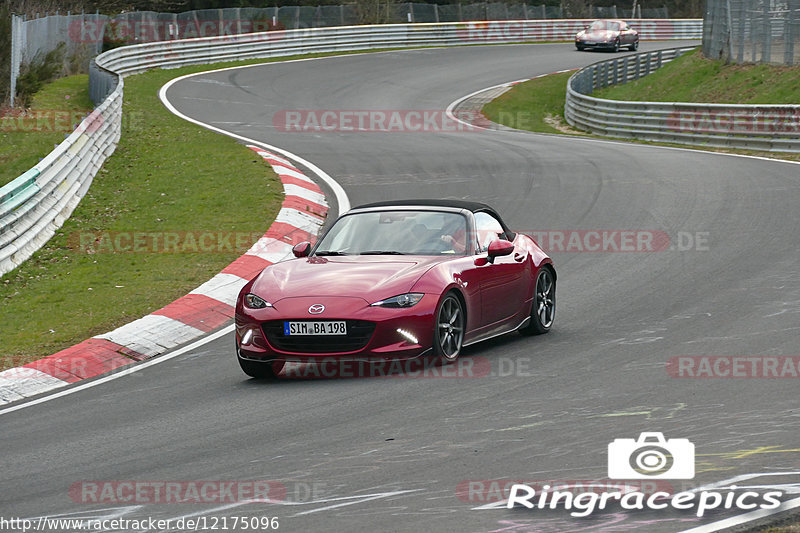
x,y
206,308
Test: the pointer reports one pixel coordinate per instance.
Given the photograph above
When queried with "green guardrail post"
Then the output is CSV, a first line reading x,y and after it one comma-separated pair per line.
x,y
15,193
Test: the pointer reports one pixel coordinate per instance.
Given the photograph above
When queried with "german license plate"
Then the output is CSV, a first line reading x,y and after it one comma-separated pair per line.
x,y
338,327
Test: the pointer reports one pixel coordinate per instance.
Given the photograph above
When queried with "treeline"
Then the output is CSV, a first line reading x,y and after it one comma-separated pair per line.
x,y
34,75
677,8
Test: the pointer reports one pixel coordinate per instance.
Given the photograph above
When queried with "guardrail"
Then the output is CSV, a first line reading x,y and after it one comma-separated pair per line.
x,y
34,205
749,127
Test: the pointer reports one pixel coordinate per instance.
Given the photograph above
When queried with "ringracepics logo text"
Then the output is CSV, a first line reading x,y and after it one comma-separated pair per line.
x,y
586,503
649,457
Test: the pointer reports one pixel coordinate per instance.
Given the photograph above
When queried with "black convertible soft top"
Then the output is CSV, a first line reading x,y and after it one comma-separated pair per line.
x,y
475,207
458,204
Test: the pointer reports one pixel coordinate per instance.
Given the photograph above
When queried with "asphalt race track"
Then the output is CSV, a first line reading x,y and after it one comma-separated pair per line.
x,y
399,453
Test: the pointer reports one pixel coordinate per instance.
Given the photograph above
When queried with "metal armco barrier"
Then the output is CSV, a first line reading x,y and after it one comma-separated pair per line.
x,y
750,127
37,203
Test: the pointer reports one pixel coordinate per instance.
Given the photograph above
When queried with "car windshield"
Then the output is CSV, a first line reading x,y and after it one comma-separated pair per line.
x,y
396,233
604,25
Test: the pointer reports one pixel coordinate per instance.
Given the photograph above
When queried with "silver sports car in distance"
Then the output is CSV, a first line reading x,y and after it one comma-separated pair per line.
x,y
608,34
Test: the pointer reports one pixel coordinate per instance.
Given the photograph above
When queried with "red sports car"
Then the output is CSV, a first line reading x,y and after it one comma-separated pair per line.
x,y
396,280
609,34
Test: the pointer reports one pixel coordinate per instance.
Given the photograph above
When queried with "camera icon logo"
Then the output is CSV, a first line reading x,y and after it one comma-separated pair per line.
x,y
651,457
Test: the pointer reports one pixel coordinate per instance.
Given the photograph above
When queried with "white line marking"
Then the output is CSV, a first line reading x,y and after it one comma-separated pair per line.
x,y
295,190
128,370
358,499
298,219
283,171
449,113
22,382
270,249
742,477
223,287
743,519
725,483
342,200
152,334
348,500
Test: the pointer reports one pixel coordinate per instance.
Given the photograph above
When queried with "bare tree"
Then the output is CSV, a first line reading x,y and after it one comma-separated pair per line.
x,y
374,11
576,9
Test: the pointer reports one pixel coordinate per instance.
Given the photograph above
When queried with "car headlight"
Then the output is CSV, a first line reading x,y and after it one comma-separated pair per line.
x,y
255,302
400,301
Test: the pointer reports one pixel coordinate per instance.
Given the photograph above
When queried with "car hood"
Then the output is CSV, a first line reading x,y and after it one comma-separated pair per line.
x,y
369,277
599,35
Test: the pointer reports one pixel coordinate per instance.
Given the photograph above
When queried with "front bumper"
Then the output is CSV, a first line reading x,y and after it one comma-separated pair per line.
x,y
384,342
595,44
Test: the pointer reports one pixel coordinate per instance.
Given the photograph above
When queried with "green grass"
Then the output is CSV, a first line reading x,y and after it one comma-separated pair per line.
x,y
166,175
782,529
24,141
693,78
70,93
531,105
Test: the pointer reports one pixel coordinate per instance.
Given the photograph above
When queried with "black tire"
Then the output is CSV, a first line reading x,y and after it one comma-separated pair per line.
x,y
543,307
579,47
448,329
616,46
261,369
635,46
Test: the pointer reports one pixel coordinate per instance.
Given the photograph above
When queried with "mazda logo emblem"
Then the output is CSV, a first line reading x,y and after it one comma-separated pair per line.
x,y
316,309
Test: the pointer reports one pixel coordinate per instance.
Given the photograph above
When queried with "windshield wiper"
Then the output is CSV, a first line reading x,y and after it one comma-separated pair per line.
x,y
329,252
382,252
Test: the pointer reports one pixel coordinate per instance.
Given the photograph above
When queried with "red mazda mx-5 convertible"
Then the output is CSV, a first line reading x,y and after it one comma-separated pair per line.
x,y
396,280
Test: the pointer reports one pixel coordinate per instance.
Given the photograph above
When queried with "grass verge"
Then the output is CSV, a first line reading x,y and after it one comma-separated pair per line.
x,y
26,137
538,105
693,78
167,175
534,105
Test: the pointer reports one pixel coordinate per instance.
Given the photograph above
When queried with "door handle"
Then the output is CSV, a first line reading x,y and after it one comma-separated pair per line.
x,y
518,257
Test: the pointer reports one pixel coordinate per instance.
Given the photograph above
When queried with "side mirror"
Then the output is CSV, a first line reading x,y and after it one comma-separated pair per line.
x,y
302,249
500,248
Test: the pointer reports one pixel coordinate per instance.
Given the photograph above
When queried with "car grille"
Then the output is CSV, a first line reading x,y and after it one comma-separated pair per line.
x,y
359,332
